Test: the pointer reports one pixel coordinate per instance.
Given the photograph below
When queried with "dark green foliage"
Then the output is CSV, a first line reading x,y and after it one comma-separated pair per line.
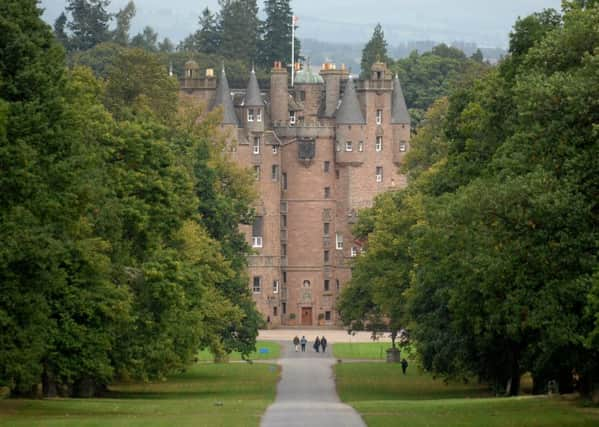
x,y
374,51
89,23
276,41
123,24
107,268
146,40
497,233
240,29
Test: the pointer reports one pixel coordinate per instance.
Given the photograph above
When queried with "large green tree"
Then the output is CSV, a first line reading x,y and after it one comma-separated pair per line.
x,y
240,28
277,29
89,23
374,51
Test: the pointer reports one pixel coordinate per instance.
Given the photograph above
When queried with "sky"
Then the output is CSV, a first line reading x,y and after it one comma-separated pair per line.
x,y
485,22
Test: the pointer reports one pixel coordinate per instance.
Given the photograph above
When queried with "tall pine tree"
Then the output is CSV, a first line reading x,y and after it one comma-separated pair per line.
x,y
374,51
276,43
240,29
89,24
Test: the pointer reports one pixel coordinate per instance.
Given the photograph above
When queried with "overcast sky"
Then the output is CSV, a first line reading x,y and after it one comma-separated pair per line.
x,y
486,22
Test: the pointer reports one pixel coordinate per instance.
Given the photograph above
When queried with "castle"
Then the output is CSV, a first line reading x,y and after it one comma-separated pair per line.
x,y
321,151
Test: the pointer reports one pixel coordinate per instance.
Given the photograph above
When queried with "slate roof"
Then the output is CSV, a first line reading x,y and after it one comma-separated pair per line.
x,y
349,112
399,112
252,94
223,97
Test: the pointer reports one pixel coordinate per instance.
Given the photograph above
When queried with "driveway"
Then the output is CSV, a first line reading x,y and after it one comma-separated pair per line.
x,y
306,394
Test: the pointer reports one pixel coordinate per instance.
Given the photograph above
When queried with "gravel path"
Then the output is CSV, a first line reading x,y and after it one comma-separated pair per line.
x,y
306,394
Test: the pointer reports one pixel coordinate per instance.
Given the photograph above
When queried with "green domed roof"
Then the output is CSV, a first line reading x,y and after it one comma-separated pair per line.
x,y
306,76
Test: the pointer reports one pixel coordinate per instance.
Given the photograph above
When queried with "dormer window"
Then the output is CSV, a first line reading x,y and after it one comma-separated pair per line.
x,y
348,146
259,115
292,117
256,145
250,115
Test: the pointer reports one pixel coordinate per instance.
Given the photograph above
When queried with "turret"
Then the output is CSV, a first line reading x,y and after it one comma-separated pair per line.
x,y
223,99
350,128
253,106
400,120
332,80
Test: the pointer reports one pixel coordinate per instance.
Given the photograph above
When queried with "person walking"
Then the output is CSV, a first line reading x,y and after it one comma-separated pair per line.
x,y
296,343
303,342
404,365
323,344
317,344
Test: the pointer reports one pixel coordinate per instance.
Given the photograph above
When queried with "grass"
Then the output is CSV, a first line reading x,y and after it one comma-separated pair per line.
x,y
274,350
207,395
384,397
368,351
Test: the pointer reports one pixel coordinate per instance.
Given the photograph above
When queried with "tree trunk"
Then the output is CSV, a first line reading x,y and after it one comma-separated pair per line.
x,y
515,374
49,385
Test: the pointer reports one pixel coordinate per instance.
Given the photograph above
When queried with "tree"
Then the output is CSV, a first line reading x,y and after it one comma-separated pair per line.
x,y
374,51
89,23
276,42
208,38
60,30
240,28
147,40
123,24
166,46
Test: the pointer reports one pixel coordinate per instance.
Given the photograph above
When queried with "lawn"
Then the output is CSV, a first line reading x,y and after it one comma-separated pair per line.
x,y
208,395
384,397
368,351
265,350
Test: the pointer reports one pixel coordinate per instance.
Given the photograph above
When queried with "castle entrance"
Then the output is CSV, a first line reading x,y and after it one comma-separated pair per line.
x,y
306,316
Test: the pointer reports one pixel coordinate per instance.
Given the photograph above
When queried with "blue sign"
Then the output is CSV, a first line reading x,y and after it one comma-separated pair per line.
x,y
263,351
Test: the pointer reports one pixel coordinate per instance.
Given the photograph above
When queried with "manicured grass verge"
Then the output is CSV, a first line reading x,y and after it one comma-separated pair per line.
x,y
208,395
274,350
384,397
368,351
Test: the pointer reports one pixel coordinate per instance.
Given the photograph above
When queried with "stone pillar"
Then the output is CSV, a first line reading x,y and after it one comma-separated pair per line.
x,y
279,95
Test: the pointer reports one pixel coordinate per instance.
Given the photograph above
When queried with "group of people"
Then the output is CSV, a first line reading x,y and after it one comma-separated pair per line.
x,y
319,343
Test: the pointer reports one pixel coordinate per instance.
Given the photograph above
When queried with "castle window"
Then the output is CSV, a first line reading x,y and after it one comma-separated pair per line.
x,y
256,145
275,172
327,166
354,251
337,284
361,146
327,192
284,180
275,149
283,221
326,257
259,115
274,311
292,117
402,146
326,285
306,284
275,286
379,117
257,285
337,173
284,277
379,143
339,241
250,115
338,146
284,307
327,315
379,174
283,249
257,232
348,146
257,172
302,95
326,228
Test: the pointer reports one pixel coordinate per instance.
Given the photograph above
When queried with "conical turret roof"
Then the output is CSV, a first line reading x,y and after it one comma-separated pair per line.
x,y
399,112
349,112
223,97
252,94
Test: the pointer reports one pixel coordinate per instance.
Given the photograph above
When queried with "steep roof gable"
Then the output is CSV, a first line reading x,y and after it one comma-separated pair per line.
x,y
349,112
399,113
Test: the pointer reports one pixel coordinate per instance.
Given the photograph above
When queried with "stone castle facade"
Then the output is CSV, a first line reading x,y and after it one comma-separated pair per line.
x,y
321,151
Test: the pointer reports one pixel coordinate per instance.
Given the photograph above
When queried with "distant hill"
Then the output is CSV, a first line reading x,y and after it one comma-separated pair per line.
x,y
350,54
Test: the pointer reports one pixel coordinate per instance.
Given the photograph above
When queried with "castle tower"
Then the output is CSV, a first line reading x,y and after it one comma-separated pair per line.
x,y
308,92
253,106
223,99
332,79
401,123
279,95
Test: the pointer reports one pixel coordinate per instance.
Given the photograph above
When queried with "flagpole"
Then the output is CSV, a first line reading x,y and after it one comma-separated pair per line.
x,y
292,50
